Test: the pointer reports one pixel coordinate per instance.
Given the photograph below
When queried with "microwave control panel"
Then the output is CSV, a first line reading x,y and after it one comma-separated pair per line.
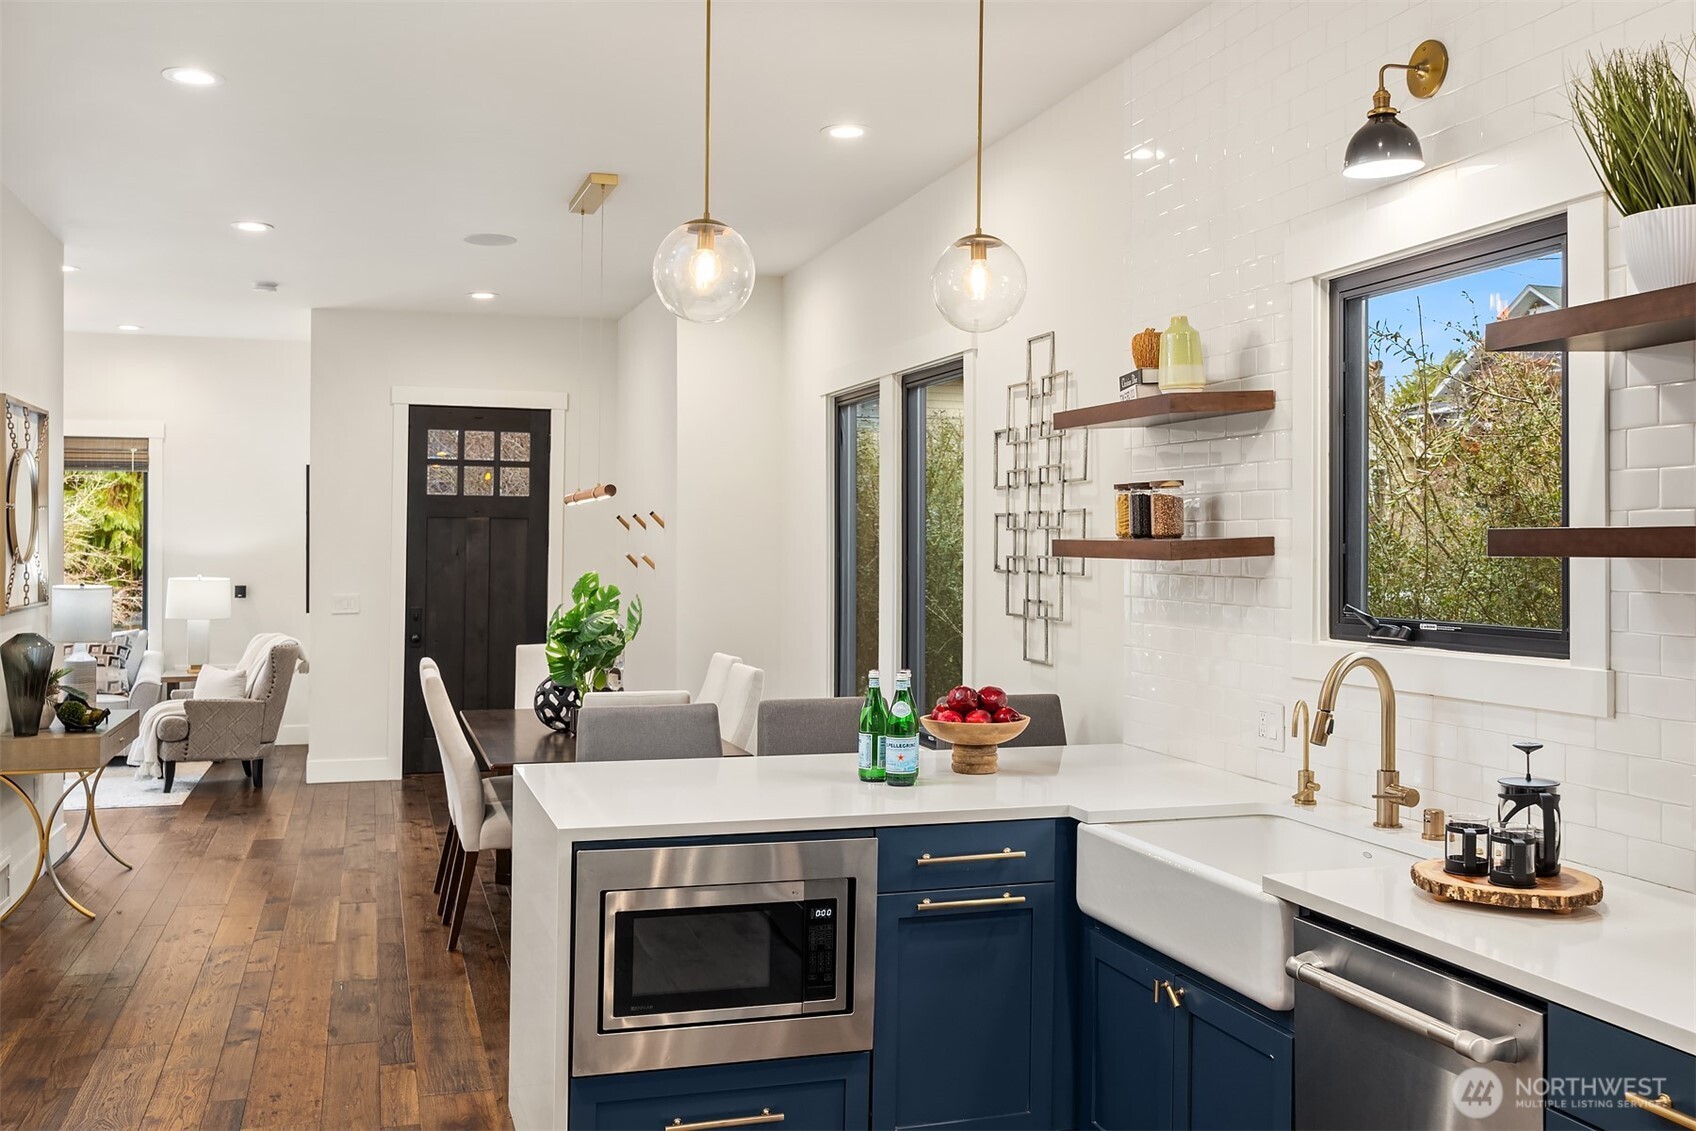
x,y
821,949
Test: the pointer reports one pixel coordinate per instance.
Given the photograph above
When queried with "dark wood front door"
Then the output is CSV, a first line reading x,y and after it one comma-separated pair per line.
x,y
476,558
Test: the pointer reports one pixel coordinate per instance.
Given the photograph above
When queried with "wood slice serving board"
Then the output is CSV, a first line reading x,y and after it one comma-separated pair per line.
x,y
1564,893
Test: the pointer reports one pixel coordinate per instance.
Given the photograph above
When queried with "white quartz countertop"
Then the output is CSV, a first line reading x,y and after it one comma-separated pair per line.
x,y
1630,960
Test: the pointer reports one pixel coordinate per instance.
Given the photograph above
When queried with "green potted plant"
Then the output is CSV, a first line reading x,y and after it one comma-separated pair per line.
x,y
1632,110
584,642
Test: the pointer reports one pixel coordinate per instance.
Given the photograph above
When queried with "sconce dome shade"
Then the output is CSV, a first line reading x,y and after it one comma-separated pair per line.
x,y
1384,147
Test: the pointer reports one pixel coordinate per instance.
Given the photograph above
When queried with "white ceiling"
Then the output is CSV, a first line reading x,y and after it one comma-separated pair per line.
x,y
375,136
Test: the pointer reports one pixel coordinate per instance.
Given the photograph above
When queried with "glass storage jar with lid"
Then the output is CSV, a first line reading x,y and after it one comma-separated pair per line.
x,y
1168,507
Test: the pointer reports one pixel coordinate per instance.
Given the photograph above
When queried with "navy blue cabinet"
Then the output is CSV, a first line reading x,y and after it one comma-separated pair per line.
x,y
1585,1054
819,1093
1165,1048
966,1004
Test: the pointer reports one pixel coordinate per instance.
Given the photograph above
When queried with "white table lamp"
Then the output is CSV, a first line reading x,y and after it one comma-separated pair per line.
x,y
200,601
82,615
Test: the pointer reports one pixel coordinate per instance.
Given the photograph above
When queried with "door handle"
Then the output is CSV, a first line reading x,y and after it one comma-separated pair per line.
x,y
766,1116
1307,968
1005,899
972,858
1661,1105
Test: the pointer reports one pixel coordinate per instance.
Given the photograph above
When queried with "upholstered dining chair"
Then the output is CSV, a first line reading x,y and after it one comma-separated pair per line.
x,y
637,699
809,726
739,711
718,675
629,734
481,820
1048,723
530,667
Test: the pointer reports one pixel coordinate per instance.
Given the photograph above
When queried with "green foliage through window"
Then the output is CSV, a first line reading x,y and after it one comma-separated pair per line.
x,y
106,538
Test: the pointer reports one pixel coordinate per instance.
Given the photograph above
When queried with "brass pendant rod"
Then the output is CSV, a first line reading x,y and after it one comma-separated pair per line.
x,y
707,147
979,223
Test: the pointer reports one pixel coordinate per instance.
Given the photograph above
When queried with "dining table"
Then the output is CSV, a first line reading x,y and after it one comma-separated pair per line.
x,y
504,739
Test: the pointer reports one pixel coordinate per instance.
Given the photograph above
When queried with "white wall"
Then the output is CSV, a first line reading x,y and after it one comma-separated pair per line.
x,y
1245,209
359,360
647,447
32,319
228,483
1055,190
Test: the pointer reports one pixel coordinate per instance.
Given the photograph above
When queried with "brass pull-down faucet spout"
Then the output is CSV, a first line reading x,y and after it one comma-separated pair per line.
x,y
1391,794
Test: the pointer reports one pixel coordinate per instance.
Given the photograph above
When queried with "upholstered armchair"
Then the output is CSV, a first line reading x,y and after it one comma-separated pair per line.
x,y
222,730
144,688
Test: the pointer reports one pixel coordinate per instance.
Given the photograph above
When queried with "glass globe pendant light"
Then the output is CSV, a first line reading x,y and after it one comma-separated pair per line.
x,y
979,283
703,270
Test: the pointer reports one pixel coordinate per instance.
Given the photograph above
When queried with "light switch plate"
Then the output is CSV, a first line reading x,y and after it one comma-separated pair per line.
x,y
344,605
1269,725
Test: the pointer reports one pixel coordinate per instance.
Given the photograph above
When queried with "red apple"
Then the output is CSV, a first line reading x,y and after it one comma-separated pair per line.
x,y
991,698
978,716
962,699
947,716
1007,715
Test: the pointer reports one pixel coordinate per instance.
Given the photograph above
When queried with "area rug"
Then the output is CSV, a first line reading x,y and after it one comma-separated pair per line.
x,y
120,788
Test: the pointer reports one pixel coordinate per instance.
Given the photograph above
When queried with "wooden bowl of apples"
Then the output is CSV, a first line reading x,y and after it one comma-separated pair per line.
x,y
975,722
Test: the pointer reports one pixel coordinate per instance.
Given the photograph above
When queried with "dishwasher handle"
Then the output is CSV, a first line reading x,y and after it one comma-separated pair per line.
x,y
1307,967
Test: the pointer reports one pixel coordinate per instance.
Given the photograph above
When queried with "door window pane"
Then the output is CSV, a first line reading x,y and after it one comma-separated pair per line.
x,y
479,445
479,478
515,447
515,482
857,465
441,479
934,503
442,443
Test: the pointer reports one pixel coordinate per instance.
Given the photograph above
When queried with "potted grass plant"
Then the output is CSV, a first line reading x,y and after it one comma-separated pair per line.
x,y
1632,110
584,642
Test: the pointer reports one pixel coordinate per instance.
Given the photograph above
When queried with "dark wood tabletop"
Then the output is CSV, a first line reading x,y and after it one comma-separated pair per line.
x,y
504,739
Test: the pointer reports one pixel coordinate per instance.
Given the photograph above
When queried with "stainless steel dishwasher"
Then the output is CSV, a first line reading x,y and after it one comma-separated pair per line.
x,y
1384,1043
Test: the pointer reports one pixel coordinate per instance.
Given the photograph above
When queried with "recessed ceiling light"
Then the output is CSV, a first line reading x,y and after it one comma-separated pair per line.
x,y
482,296
844,131
490,239
67,268
129,327
193,76
252,226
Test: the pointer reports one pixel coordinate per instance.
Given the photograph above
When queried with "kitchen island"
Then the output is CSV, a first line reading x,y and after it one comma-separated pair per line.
x,y
560,811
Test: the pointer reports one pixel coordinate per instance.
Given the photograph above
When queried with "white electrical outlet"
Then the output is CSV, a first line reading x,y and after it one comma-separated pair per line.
x,y
1269,725
344,604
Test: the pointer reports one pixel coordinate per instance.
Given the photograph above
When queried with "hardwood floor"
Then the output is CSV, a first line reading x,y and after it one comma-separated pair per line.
x,y
273,960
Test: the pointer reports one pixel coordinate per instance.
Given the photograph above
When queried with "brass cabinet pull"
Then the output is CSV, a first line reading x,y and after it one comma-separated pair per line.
x,y
1661,1105
973,858
766,1116
1176,997
1006,898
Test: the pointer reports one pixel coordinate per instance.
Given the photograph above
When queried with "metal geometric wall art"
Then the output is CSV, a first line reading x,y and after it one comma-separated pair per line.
x,y
1035,464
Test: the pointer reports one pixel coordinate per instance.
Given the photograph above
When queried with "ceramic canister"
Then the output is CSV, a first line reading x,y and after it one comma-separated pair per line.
x,y
1180,357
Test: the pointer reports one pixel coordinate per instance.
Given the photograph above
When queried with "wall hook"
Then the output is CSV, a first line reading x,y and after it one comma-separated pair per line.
x,y
622,521
657,519
632,559
640,521
650,562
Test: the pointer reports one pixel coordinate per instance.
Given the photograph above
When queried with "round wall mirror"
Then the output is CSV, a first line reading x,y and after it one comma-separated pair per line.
x,y
23,506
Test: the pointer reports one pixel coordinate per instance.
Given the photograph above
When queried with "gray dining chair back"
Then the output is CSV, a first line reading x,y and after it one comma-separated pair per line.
x,y
809,726
1048,724
627,734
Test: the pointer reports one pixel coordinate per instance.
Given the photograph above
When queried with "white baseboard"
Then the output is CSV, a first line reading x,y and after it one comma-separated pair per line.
x,y
293,734
349,769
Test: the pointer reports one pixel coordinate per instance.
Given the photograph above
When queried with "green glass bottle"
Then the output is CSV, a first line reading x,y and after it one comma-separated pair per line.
x,y
901,747
874,724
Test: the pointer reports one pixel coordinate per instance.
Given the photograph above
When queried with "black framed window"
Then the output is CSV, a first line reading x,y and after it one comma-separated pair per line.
x,y
106,521
1436,440
858,457
933,507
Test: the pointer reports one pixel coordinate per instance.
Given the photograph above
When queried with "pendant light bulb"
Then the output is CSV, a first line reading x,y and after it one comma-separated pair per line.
x,y
979,283
703,270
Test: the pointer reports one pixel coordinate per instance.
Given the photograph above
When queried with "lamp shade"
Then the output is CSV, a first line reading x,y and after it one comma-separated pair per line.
x,y
197,598
1385,146
82,614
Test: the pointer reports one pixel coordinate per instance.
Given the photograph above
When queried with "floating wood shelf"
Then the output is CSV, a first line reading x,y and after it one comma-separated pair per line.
x,y
1166,408
1633,322
1593,542
1162,549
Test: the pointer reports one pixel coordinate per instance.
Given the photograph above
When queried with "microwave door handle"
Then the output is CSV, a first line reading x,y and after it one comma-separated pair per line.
x,y
1307,968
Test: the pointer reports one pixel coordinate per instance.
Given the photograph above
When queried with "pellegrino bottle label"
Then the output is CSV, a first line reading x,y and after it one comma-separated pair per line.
x,y
868,750
901,755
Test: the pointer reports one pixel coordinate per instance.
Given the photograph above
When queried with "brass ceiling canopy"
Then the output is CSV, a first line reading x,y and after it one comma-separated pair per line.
x,y
593,193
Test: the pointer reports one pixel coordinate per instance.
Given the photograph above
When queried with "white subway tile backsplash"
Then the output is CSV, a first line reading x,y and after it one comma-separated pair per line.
x,y
1254,130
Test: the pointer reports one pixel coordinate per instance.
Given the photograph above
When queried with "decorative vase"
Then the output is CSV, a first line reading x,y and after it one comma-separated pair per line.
x,y
1180,357
27,661
557,705
1660,246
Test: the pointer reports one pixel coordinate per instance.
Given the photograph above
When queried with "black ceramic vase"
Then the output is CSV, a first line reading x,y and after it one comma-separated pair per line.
x,y
27,661
557,705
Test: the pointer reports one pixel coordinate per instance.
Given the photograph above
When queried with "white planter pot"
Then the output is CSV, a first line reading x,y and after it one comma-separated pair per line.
x,y
1660,246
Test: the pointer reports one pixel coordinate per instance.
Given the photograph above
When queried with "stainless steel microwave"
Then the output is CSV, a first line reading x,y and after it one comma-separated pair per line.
x,y
712,954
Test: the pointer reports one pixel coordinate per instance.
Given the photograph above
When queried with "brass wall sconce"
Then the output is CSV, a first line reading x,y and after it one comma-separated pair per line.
x,y
1386,146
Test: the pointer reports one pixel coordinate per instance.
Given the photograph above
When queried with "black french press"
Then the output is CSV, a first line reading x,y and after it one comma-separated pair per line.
x,y
1533,796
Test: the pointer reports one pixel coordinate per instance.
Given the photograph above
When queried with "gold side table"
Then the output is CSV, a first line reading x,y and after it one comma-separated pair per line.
x,y
82,754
